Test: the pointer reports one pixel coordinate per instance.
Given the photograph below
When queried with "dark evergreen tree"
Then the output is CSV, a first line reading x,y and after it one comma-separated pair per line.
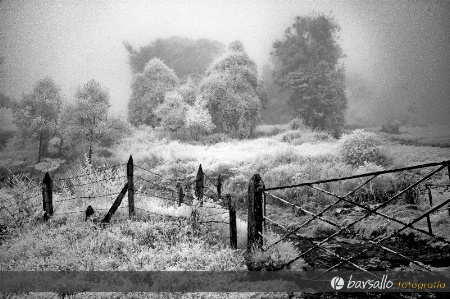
x,y
307,60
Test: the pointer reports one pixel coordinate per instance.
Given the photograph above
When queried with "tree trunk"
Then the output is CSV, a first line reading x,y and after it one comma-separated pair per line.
x,y
90,154
91,140
60,145
40,146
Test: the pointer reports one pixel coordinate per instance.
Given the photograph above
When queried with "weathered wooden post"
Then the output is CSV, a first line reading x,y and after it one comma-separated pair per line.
x,y
431,205
264,211
89,211
448,172
47,194
180,193
430,198
233,227
116,204
219,186
255,211
130,187
200,184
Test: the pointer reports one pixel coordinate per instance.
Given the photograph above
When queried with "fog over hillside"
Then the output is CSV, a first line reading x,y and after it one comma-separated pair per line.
x,y
397,52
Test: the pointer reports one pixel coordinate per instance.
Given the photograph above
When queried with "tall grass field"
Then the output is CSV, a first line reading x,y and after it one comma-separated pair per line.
x,y
165,236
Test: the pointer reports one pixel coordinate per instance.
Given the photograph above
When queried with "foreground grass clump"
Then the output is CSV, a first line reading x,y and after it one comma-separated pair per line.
x,y
273,258
145,244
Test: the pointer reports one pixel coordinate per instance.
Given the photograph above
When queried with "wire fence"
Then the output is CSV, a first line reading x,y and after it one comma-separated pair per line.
x,y
76,191
194,191
344,256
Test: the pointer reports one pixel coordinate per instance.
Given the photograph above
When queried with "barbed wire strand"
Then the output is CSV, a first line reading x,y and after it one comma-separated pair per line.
x,y
88,174
154,184
150,171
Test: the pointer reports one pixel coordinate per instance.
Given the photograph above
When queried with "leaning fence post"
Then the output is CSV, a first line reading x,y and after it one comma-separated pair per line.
x,y
233,228
200,184
130,187
255,211
116,204
180,194
219,186
47,195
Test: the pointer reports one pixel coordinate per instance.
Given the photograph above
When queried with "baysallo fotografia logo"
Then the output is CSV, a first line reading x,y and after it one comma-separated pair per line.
x,y
337,283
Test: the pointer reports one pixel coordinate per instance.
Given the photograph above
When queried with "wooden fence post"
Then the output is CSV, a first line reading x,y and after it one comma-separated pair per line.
x,y
264,212
47,194
200,184
130,187
430,197
180,193
116,204
219,186
255,211
448,172
233,228
89,211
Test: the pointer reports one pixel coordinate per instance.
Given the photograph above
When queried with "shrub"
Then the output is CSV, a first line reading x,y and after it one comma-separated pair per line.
x,y
214,138
296,124
322,230
4,137
360,147
22,200
299,137
372,228
269,130
292,137
391,127
322,136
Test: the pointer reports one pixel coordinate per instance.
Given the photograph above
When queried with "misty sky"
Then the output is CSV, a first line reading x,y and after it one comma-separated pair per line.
x,y
401,49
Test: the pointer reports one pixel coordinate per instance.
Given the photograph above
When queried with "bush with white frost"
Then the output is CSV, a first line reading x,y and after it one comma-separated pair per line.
x,y
362,147
172,112
198,119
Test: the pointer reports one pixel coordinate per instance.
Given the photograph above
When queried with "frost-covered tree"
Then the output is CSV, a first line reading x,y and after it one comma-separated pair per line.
x,y
198,119
231,90
172,111
188,91
148,91
86,122
36,114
